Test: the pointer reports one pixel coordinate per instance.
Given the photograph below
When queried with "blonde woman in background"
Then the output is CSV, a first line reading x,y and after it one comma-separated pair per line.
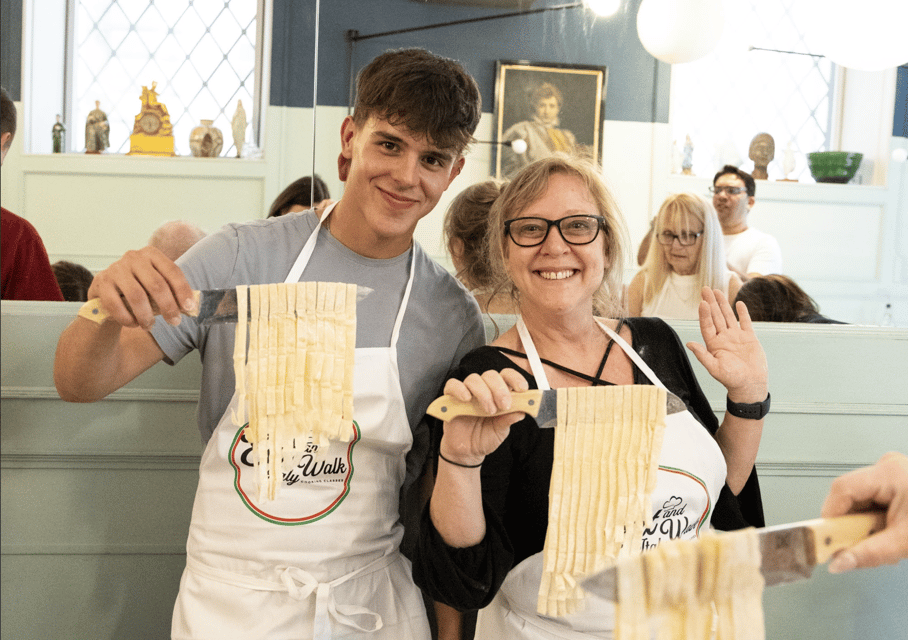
x,y
686,253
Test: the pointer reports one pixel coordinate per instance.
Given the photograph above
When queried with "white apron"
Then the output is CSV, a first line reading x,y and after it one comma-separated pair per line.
x,y
321,561
691,474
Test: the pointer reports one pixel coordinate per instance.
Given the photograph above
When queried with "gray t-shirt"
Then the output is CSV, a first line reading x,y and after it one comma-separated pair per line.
x,y
442,322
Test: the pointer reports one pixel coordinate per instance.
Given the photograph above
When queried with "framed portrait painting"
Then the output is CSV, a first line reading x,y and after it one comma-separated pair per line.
x,y
550,108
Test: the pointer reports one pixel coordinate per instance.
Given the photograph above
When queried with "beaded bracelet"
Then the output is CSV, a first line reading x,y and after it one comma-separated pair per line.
x,y
458,464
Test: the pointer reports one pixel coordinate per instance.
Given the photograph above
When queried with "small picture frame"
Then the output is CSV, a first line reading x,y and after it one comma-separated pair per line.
x,y
551,107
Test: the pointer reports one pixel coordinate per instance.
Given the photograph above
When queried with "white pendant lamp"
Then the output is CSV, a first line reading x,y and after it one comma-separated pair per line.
x,y
869,35
677,31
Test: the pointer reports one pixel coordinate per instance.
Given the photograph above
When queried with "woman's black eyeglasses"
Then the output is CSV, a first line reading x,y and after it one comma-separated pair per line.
x,y
531,232
686,238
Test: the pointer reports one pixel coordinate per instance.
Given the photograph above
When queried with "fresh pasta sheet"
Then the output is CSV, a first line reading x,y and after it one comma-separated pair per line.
x,y
607,445
294,375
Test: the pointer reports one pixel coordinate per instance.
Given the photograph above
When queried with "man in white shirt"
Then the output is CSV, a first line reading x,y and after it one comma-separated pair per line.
x,y
750,252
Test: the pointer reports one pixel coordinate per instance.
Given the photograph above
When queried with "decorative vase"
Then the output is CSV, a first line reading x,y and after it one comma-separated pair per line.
x,y
206,140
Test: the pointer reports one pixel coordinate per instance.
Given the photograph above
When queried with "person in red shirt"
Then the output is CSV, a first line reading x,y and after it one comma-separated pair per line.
x,y
26,268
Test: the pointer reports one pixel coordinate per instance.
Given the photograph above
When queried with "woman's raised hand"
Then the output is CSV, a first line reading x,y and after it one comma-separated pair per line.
x,y
468,440
731,352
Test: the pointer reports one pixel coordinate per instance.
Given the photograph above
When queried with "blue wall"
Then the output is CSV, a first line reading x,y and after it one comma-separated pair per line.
x,y
11,47
900,118
572,36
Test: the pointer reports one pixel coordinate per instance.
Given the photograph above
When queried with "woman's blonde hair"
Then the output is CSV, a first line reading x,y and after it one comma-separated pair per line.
x,y
528,186
687,212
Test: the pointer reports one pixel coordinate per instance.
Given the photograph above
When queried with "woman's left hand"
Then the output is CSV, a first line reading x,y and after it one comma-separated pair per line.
x,y
732,353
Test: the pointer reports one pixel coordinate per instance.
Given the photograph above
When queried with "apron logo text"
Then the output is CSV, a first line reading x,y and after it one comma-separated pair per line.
x,y
325,481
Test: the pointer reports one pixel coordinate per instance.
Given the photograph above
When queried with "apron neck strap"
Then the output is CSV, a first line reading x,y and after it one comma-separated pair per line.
x,y
296,271
633,355
542,381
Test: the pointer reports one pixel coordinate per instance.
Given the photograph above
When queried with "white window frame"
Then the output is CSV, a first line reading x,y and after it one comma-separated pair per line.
x,y
862,111
46,31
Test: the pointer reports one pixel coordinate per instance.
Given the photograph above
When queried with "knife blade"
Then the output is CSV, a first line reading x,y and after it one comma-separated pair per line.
x,y
789,552
541,405
214,306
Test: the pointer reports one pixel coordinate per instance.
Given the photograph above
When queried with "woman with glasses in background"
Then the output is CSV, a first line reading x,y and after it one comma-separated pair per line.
x,y
686,253
556,245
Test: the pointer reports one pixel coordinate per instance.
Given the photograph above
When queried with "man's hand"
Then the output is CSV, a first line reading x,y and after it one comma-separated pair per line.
x,y
137,282
884,484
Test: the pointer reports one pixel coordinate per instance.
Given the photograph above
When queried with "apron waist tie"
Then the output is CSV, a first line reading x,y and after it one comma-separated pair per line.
x,y
300,584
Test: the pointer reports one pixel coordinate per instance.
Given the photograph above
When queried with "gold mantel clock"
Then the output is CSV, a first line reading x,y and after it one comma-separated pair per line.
x,y
152,133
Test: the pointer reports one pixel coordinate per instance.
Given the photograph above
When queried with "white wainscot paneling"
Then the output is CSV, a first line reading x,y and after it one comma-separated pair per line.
x,y
824,240
94,218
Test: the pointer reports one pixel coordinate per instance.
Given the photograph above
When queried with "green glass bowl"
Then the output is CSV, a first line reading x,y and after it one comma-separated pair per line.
x,y
834,166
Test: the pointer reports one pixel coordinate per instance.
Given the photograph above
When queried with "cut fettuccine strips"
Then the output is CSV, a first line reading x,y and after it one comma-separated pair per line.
x,y
294,374
703,589
607,445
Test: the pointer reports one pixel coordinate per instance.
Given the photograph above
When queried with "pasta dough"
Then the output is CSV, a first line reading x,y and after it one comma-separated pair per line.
x,y
607,445
294,376
683,586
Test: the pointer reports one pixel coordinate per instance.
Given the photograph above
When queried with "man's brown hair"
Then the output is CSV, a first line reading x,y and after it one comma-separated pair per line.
x,y
428,94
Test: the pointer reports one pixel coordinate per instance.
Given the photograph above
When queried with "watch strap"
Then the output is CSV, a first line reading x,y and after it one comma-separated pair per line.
x,y
748,411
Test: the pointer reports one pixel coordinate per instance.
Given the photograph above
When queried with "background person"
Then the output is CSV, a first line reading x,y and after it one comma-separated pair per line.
x,y
541,132
687,253
464,227
319,559
778,298
749,251
556,235
174,238
74,280
299,196
24,265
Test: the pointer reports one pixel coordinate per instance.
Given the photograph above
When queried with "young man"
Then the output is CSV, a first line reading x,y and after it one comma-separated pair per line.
x,y
25,266
750,252
319,561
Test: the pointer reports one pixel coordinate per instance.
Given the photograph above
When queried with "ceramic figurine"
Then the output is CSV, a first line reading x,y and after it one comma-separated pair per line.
x,y
687,163
788,162
59,133
238,125
206,140
97,130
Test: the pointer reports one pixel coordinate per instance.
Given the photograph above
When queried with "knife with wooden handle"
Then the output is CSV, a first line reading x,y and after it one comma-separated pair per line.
x,y
214,306
541,405
789,551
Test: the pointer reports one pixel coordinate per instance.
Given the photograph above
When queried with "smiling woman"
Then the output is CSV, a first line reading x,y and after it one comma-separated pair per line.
x,y
488,521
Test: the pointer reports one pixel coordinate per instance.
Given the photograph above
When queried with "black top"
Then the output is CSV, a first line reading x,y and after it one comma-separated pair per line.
x,y
516,476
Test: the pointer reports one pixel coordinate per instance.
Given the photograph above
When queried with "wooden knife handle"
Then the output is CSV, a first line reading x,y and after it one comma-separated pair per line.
x,y
94,311
447,407
834,534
